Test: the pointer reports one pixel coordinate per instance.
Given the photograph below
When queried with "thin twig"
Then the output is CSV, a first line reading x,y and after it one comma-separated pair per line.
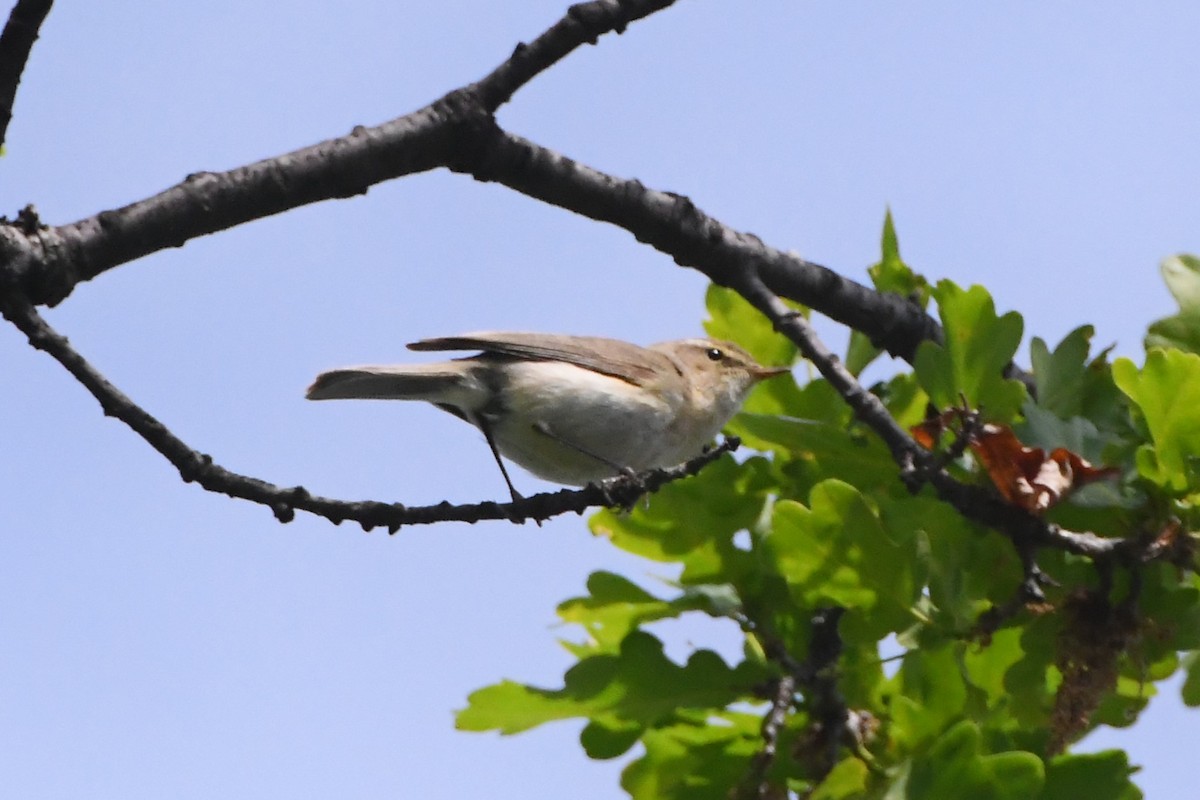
x,y
817,678
866,406
623,491
1027,532
756,785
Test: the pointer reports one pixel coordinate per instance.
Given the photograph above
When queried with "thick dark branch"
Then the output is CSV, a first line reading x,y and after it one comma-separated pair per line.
x,y
16,42
584,23
49,262
454,132
672,224
459,132
623,491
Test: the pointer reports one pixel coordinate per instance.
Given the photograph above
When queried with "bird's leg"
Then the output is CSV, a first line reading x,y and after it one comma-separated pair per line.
x,y
483,424
619,469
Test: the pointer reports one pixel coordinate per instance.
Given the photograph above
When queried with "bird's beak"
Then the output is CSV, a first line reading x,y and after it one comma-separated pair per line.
x,y
762,373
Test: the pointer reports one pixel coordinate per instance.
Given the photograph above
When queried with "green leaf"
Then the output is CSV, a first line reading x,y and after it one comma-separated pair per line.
x,y
714,599
890,263
614,606
735,320
1120,708
1044,429
860,352
987,666
904,398
1102,401
978,346
817,400
829,450
637,685
1172,607
1031,682
1181,331
836,552
956,767
966,570
694,760
1096,776
861,678
693,521
607,739
1191,683
931,694
1061,375
891,274
846,781
1167,393
1182,275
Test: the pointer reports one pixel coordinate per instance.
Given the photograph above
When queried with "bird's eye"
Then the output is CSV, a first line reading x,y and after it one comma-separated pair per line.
x,y
714,354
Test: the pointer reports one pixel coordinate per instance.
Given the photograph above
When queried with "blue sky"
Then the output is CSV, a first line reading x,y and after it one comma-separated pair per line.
x,y
162,641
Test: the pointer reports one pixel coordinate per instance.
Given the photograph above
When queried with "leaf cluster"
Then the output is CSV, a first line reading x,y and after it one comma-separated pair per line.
x,y
943,682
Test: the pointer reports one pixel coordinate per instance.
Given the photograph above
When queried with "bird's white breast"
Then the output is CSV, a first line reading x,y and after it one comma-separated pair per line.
x,y
623,424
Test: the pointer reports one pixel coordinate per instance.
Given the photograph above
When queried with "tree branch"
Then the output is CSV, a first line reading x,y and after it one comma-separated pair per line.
x,y
817,677
39,264
674,225
47,263
583,24
755,786
16,42
623,491
826,704
459,132
919,466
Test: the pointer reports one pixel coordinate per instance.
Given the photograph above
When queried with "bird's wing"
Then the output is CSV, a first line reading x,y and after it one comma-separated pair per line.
x,y
630,363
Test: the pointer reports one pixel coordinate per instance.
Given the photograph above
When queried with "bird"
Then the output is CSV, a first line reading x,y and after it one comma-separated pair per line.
x,y
570,409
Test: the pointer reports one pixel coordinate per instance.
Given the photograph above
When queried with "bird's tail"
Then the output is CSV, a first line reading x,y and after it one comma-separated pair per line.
x,y
446,382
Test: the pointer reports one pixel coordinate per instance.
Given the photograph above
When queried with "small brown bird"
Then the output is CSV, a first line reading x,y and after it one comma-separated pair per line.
x,y
571,409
